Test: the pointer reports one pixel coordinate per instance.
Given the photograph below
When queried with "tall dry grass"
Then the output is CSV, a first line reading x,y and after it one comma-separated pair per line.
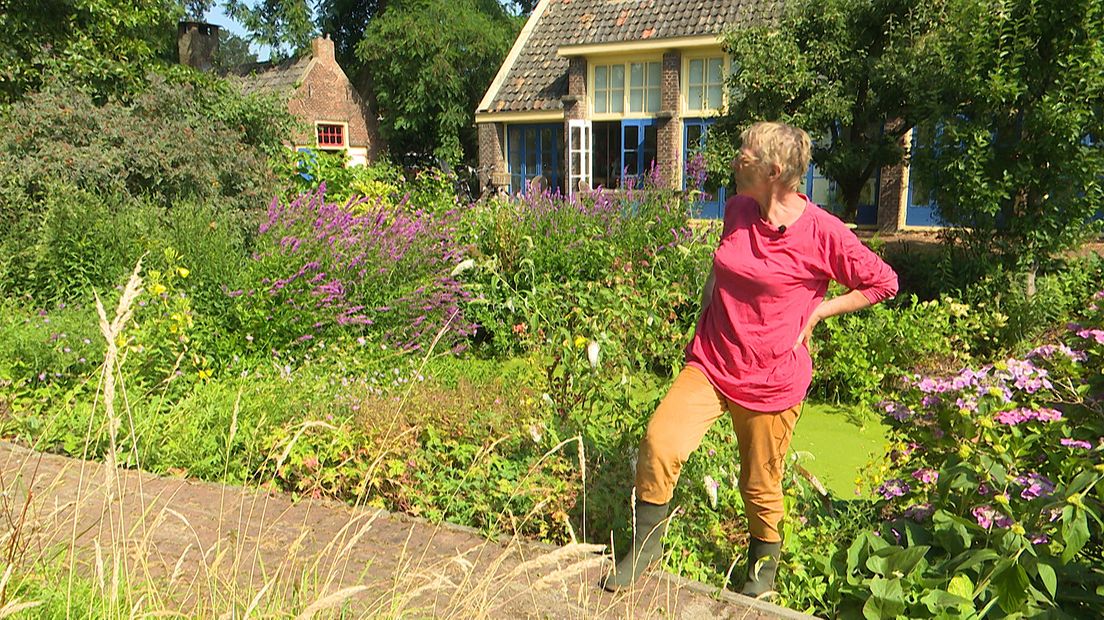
x,y
100,554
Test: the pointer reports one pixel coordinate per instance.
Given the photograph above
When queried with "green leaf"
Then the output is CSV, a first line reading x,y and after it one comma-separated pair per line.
x,y
1075,533
905,561
887,599
962,587
1050,580
978,557
938,600
1011,588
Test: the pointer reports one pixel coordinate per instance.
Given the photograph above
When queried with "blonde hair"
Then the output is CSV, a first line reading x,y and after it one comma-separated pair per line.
x,y
778,143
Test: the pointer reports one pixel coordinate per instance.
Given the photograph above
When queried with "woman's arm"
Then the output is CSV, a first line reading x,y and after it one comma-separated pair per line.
x,y
842,304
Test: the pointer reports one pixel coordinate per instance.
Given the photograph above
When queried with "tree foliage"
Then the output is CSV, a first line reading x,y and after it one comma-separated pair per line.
x,y
841,69
181,140
429,62
284,26
345,22
104,47
233,51
1020,101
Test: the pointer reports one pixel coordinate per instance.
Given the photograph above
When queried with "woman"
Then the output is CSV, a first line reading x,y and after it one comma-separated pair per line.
x,y
749,356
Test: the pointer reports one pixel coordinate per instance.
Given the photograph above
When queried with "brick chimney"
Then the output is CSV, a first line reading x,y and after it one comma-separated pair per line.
x,y
322,48
197,44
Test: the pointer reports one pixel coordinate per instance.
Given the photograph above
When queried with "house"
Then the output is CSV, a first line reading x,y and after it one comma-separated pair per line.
x,y
333,115
594,92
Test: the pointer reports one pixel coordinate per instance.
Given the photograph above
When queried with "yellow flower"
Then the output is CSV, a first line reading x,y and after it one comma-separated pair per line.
x,y
579,342
204,374
182,271
1017,529
158,289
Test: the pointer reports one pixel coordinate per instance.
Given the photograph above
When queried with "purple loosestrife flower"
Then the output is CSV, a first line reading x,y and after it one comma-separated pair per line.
x,y
696,171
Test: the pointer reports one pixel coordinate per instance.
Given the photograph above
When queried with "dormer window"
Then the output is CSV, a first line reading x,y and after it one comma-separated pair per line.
x,y
331,136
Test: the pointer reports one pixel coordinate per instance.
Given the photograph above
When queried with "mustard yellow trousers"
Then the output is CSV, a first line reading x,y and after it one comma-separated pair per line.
x,y
676,429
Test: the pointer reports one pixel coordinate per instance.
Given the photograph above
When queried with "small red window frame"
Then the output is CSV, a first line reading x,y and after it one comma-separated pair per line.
x,y
331,135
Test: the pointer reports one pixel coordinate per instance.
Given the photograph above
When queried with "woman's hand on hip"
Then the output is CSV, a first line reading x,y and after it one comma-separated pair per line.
x,y
806,335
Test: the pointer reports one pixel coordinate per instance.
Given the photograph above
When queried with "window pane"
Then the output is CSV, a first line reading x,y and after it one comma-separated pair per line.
x,y
632,136
697,69
515,149
617,101
716,65
714,95
617,78
548,152
636,100
693,137
653,100
636,75
695,102
600,102
530,152
655,74
601,78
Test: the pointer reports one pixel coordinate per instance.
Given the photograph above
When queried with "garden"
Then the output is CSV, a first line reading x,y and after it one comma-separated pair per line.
x,y
367,338
365,335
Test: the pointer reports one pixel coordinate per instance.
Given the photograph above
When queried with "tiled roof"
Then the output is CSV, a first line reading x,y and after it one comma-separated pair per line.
x,y
537,79
279,78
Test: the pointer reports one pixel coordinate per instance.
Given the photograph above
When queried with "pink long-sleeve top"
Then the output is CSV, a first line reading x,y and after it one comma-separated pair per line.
x,y
767,284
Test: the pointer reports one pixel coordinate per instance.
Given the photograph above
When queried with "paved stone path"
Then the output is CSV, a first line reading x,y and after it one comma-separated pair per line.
x,y
217,543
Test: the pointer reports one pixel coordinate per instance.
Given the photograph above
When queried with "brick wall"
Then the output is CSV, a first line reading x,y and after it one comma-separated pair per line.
x,y
492,164
669,125
327,95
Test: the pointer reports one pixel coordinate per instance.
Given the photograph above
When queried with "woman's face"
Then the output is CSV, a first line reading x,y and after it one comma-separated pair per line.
x,y
748,170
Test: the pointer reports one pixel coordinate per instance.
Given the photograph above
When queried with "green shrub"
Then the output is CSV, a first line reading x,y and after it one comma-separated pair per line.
x,y
80,241
164,146
994,493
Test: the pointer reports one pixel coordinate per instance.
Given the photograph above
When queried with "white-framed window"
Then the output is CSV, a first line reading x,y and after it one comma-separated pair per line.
x,y
331,135
705,84
609,89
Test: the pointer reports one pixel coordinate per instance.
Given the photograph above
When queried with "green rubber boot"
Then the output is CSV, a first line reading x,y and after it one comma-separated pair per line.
x,y
762,568
646,550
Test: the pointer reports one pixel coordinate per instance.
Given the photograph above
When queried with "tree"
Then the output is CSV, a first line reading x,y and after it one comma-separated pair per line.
x,y
285,26
430,61
848,71
233,51
1017,160
106,47
345,22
